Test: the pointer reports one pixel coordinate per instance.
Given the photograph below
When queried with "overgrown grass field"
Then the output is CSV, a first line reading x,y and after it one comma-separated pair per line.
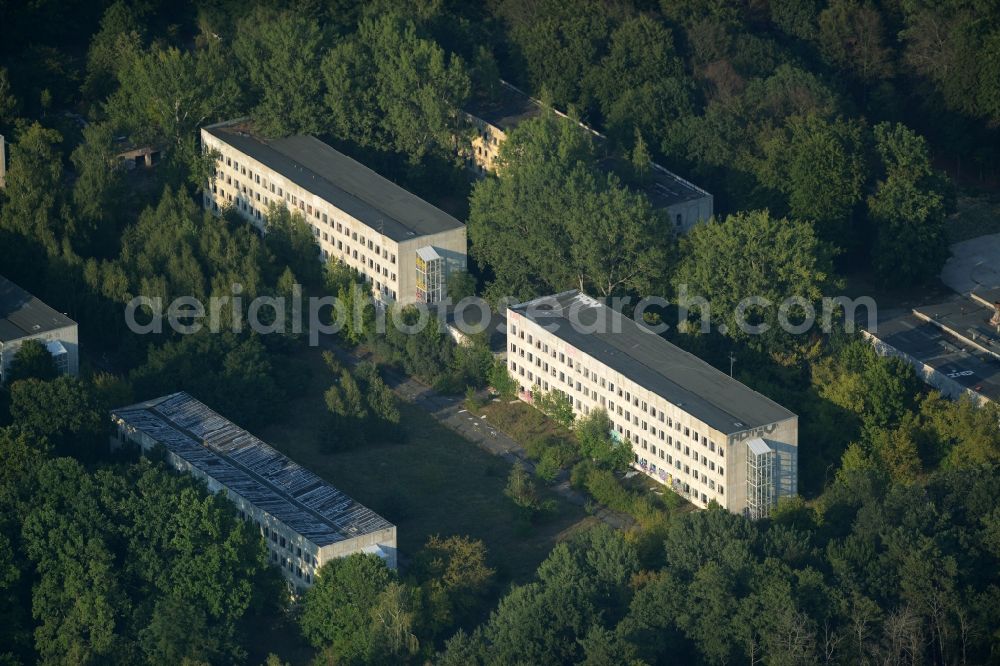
x,y
436,482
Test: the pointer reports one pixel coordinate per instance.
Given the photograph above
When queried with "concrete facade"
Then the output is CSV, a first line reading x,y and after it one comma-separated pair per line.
x,y
689,425
304,520
24,317
351,222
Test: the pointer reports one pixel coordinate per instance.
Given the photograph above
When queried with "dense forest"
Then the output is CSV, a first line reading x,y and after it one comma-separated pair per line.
x,y
836,136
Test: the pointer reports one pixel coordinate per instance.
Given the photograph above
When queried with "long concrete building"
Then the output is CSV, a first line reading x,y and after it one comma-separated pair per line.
x,y
24,317
305,521
684,203
695,429
402,245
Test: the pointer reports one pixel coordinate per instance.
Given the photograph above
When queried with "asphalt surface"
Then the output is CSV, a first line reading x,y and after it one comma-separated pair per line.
x,y
974,264
967,366
450,411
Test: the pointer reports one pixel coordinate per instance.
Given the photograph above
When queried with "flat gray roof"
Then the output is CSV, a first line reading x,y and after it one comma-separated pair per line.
x,y
343,182
712,397
951,355
663,187
510,108
261,475
964,318
495,327
22,315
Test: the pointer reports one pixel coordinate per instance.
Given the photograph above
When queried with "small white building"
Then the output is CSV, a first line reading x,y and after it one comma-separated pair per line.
x,y
24,317
305,521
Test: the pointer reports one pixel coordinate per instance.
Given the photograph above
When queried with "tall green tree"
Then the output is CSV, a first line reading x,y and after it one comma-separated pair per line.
x,y
35,206
389,87
455,575
908,209
819,166
460,284
280,51
122,33
640,85
65,412
293,244
99,193
79,600
551,220
234,374
337,609
559,42
520,488
949,44
8,102
852,37
754,256
593,431
177,249
166,94
32,360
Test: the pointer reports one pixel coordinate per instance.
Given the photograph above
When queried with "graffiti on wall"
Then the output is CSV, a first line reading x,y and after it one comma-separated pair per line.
x,y
755,432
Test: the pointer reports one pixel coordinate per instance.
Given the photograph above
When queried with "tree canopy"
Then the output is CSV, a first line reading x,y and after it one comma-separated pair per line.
x,y
908,209
390,88
552,220
32,360
755,256
280,51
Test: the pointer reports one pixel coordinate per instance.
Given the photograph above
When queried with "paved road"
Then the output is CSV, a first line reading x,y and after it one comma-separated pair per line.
x,y
450,411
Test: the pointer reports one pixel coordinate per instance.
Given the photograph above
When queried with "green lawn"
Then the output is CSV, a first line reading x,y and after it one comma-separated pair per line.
x,y
523,423
436,482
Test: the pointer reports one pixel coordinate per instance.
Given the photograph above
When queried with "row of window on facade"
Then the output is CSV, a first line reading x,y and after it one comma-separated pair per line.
x,y
286,563
311,212
562,358
608,385
610,406
694,455
677,485
292,200
278,540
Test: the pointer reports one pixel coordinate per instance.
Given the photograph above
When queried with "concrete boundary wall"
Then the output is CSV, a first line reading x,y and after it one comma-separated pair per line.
x,y
946,385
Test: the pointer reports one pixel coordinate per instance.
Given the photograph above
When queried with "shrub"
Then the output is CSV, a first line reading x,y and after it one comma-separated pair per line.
x,y
606,489
578,475
472,401
501,381
536,446
548,467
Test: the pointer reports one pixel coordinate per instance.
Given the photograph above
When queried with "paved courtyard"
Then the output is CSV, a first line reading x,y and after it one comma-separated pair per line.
x,y
974,265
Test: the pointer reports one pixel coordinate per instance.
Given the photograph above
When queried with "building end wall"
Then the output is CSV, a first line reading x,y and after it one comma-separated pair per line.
x,y
68,336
